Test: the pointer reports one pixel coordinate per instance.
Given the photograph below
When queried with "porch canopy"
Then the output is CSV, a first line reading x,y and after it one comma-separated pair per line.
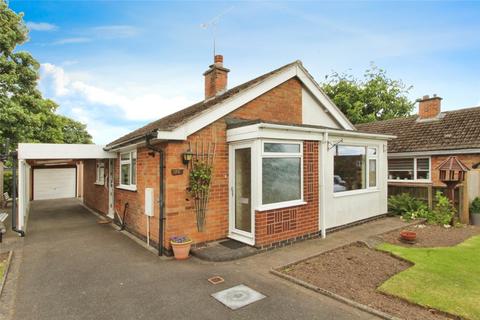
x,y
32,152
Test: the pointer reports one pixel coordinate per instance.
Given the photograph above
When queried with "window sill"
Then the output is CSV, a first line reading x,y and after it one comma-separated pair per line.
x,y
128,188
280,205
408,181
354,192
99,184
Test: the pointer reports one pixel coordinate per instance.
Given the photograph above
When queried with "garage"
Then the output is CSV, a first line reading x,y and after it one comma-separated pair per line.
x,y
54,183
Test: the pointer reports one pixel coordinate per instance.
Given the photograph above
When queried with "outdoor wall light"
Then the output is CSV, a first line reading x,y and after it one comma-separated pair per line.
x,y
187,156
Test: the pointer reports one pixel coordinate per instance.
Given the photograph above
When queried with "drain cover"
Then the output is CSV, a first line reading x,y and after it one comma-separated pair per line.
x,y
238,296
216,280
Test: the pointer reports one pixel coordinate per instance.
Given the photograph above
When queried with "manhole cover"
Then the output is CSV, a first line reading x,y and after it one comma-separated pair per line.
x,y
238,296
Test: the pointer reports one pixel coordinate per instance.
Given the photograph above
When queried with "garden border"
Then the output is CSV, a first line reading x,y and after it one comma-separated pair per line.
x,y
7,268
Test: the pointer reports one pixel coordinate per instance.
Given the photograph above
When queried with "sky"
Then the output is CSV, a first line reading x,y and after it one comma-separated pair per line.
x,y
117,65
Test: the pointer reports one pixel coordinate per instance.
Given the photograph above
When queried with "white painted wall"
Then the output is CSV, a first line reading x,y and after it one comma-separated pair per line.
x,y
23,193
341,209
313,112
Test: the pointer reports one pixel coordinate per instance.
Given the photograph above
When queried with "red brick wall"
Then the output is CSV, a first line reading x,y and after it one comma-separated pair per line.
x,y
273,227
281,104
94,196
147,177
468,159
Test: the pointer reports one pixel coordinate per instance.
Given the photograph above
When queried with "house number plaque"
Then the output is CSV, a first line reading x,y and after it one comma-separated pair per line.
x,y
177,172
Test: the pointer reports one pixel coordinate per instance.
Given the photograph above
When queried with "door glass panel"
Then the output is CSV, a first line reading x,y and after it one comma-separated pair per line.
x,y
243,189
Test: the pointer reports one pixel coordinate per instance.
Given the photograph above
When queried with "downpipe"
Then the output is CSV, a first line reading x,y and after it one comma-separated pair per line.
x,y
161,201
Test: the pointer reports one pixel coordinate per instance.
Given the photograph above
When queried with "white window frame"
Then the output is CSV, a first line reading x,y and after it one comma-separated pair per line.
x,y
263,154
415,158
100,176
367,188
131,155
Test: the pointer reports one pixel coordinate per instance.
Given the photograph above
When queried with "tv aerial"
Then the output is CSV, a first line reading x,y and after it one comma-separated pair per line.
x,y
212,25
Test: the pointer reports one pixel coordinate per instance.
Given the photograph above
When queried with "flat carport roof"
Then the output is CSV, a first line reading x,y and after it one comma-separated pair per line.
x,y
41,151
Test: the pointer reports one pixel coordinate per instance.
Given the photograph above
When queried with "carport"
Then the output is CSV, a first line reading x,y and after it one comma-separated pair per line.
x,y
51,171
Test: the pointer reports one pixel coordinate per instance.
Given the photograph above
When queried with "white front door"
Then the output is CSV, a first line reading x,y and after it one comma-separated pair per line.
x,y
241,217
111,189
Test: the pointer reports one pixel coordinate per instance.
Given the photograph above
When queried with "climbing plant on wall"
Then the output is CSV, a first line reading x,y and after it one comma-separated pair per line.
x,y
200,179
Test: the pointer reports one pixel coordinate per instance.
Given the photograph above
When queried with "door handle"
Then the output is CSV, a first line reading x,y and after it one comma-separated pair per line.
x,y
231,190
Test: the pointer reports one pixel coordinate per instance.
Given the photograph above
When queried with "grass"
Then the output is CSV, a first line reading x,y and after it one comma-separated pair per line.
x,y
447,279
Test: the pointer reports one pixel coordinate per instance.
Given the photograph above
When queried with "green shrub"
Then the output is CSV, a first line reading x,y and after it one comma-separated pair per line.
x,y
403,204
421,213
7,182
443,211
475,206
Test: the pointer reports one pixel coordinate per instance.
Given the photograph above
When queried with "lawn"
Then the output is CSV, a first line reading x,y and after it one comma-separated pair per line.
x,y
447,278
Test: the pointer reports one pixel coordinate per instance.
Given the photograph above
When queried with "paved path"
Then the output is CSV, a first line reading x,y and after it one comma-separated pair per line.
x,y
74,268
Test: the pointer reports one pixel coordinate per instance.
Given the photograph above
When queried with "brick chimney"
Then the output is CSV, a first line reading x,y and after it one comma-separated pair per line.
x,y
429,107
216,78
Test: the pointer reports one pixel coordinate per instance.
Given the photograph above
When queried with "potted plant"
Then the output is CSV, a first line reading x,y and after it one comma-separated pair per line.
x,y
475,211
181,246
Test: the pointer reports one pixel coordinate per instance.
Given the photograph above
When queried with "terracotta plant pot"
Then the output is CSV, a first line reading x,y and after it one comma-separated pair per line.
x,y
409,236
181,250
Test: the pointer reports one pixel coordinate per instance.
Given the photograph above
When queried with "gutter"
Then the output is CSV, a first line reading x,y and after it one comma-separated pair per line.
x,y
161,200
325,130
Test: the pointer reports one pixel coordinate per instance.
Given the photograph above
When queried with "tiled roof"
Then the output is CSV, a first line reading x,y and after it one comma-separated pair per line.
x,y
459,129
176,119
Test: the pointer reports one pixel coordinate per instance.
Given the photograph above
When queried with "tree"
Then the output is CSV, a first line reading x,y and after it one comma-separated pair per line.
x,y
25,116
376,97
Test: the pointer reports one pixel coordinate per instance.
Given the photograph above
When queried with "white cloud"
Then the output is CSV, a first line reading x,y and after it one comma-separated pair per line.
x,y
103,109
41,26
73,40
116,31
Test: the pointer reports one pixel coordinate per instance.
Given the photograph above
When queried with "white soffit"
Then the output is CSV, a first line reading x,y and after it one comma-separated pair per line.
x,y
62,151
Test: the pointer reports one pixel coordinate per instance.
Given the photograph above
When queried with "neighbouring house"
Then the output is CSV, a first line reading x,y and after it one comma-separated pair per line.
x,y
287,165
425,140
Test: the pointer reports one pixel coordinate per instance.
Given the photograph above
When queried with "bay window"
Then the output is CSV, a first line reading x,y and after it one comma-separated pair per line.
x,y
282,172
128,170
409,169
355,168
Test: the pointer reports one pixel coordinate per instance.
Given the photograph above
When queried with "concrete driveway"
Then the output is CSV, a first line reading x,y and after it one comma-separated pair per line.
x,y
74,268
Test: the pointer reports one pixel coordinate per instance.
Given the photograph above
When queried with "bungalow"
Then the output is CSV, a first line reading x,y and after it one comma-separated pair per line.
x,y
286,165
425,140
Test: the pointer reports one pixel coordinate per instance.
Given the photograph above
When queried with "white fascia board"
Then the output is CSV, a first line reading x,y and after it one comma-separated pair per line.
x,y
62,151
178,134
433,153
317,92
256,131
336,133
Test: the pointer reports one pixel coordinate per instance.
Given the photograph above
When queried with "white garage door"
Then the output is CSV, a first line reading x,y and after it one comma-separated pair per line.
x,y
54,183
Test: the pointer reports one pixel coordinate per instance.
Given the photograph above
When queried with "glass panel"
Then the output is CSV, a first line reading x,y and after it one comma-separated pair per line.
x,y
349,168
125,156
134,170
282,147
281,180
125,174
243,209
400,169
372,173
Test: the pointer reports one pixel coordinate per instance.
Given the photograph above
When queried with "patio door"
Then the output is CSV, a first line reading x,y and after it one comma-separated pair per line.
x,y
241,217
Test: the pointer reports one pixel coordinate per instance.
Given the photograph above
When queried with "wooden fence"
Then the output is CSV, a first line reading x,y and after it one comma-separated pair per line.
x,y
426,193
